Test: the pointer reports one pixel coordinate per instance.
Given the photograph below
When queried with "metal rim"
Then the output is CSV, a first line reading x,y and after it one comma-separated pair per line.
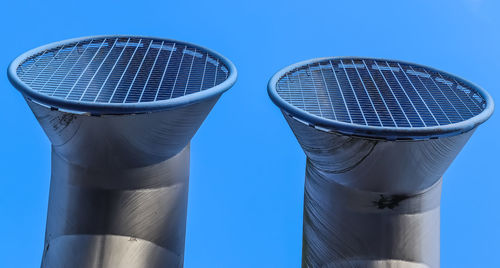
x,y
118,108
390,133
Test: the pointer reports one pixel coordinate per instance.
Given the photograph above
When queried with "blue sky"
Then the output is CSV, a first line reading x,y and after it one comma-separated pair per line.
x,y
247,170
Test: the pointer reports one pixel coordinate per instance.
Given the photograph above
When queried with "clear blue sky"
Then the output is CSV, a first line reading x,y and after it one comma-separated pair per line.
x,y
247,170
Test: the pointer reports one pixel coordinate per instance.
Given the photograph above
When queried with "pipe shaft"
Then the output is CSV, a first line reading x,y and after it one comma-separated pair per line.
x,y
347,227
117,217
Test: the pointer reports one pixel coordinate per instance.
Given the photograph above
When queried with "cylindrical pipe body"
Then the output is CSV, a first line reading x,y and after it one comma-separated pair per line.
x,y
372,202
119,187
346,227
117,217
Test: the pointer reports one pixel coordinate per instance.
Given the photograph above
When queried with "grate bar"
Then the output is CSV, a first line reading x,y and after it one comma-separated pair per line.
x,y
25,72
315,90
111,71
95,73
478,110
44,67
177,75
442,93
328,92
406,94
164,71
296,89
367,94
124,71
341,92
71,69
353,92
289,90
215,76
85,69
322,95
189,74
432,96
204,71
301,91
151,71
421,99
393,95
137,72
58,67
455,93
380,94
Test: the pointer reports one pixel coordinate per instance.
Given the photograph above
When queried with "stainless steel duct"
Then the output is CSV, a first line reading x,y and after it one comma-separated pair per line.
x,y
120,112
378,136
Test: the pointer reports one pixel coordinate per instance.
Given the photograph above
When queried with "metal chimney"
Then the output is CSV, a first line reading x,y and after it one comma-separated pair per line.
x,y
378,136
120,112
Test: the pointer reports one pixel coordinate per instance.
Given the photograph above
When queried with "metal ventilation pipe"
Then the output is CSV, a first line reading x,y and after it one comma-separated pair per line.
x,y
120,112
378,136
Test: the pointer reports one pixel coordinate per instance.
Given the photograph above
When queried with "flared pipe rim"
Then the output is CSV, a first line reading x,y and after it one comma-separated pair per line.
x,y
389,133
118,108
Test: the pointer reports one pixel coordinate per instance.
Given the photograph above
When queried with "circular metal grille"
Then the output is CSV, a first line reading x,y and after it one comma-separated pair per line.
x,y
379,98
121,70
376,95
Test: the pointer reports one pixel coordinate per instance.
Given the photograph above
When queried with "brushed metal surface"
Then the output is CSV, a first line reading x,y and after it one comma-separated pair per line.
x,y
372,203
119,187
82,251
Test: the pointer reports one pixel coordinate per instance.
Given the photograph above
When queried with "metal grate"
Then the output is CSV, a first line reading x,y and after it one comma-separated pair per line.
x,y
121,70
379,93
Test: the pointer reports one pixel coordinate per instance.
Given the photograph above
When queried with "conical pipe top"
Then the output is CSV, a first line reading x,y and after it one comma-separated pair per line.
x,y
121,141
379,122
404,167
